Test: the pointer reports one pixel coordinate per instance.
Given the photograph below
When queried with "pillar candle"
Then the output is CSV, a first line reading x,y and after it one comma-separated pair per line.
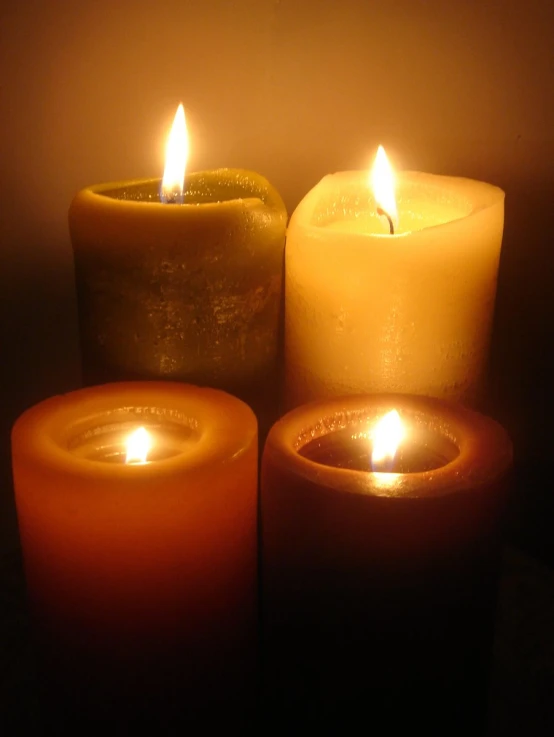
x,y
379,586
141,576
185,291
367,311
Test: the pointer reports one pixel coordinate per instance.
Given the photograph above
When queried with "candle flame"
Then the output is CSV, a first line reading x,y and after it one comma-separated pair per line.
x,y
138,445
176,155
381,181
387,436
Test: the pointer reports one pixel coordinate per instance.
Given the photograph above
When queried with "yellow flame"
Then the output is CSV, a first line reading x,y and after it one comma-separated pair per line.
x,y
138,444
387,436
176,155
381,180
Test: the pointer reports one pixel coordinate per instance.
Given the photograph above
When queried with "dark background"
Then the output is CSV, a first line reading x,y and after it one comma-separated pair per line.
x,y
294,90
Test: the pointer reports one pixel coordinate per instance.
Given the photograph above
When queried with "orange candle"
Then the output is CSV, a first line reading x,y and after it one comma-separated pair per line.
x,y
379,585
141,564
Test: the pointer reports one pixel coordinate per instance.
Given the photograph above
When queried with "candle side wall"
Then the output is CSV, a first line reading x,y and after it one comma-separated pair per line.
x,y
190,293
410,314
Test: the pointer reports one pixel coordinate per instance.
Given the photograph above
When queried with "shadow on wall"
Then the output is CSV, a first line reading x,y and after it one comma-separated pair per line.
x,y
38,335
522,353
522,361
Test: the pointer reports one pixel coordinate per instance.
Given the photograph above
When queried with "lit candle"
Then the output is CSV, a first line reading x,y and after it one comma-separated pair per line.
x,y
379,585
181,279
391,284
137,512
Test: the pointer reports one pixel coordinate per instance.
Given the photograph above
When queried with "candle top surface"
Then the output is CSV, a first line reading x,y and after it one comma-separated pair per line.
x,y
344,202
449,448
85,432
201,188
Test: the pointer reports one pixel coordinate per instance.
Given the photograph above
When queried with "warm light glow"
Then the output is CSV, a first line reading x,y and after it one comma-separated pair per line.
x,y
138,444
381,181
387,436
176,155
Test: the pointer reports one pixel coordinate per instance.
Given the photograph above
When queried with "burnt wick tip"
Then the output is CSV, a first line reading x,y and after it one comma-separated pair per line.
x,y
384,213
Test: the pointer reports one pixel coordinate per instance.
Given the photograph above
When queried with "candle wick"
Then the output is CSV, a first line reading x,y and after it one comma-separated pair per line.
x,y
172,197
380,211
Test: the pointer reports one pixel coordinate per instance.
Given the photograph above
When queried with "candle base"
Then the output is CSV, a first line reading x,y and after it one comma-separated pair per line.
x,y
163,694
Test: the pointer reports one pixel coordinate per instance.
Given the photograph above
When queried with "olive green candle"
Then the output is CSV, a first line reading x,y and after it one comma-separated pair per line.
x,y
188,291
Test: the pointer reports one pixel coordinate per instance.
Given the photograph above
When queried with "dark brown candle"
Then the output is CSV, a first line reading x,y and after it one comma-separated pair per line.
x,y
379,588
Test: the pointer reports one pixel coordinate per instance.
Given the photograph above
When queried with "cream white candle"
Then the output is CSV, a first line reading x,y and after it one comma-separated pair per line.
x,y
367,311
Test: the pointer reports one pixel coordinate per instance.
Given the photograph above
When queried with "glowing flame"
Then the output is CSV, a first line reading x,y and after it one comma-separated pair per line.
x,y
176,155
381,180
387,436
138,444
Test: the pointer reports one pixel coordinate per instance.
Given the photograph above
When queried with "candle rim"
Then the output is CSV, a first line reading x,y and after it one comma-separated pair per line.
x,y
42,432
257,191
471,431
488,196
92,212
